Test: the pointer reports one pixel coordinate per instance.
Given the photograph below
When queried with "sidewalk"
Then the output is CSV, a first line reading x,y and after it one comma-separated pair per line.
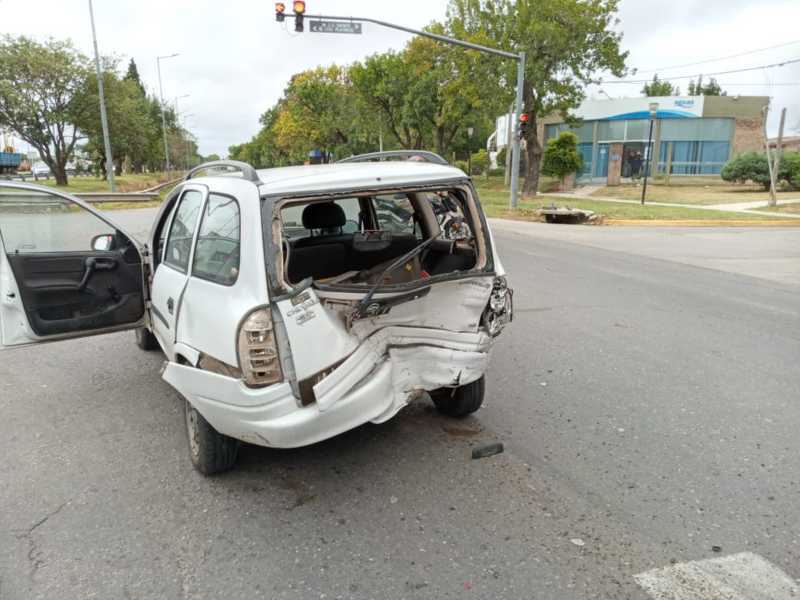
x,y
745,208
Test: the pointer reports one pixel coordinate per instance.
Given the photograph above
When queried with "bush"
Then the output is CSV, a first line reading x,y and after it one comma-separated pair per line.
x,y
501,157
480,162
790,169
497,172
561,156
750,166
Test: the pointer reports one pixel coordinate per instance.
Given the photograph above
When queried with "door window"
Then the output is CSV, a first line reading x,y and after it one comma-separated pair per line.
x,y
216,255
38,222
179,241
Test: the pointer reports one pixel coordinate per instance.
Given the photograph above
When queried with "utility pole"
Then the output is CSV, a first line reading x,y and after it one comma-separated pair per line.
x,y
349,27
163,112
103,115
509,135
773,200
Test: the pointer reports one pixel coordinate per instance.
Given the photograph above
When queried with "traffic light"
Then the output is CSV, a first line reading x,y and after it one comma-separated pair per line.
x,y
523,124
299,10
280,10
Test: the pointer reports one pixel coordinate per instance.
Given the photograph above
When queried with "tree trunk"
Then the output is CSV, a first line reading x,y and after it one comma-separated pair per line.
x,y
534,155
59,173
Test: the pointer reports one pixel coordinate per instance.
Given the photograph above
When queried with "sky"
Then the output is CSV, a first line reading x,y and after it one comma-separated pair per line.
x,y
235,60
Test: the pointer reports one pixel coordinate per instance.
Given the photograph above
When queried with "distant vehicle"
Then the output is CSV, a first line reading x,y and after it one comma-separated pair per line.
x,y
292,304
41,169
9,162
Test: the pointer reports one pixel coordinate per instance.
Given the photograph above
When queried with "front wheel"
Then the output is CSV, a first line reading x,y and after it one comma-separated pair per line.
x,y
460,401
210,451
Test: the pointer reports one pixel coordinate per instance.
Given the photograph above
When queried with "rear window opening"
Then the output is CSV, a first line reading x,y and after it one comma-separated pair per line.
x,y
353,240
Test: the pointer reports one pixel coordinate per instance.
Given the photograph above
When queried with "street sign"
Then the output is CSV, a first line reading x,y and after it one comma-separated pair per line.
x,y
335,27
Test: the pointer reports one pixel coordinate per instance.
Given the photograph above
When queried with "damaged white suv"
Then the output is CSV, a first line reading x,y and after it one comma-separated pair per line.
x,y
292,304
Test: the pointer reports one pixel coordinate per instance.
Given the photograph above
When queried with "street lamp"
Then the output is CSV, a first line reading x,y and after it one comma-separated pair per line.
x,y
470,131
161,97
103,115
653,114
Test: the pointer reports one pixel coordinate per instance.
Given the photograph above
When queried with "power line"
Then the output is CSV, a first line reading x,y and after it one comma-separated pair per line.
x,y
773,65
711,60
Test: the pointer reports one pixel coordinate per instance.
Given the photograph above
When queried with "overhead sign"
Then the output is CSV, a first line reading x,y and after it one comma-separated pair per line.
x,y
335,27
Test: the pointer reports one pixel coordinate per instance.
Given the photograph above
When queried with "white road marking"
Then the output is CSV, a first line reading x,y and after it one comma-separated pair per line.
x,y
744,576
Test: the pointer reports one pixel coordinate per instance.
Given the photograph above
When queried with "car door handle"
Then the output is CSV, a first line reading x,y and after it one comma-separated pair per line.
x,y
170,305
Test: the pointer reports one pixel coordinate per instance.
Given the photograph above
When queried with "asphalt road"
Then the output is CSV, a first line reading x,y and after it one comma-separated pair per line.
x,y
648,405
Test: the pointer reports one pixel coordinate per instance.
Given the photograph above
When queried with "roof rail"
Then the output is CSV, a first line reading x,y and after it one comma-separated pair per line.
x,y
248,172
430,157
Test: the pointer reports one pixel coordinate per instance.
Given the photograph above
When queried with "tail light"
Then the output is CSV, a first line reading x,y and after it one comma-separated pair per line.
x,y
258,350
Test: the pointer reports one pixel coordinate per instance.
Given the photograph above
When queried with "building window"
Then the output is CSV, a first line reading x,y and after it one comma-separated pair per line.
x,y
694,158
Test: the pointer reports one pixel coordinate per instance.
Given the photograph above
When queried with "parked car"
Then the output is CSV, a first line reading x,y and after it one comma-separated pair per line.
x,y
274,339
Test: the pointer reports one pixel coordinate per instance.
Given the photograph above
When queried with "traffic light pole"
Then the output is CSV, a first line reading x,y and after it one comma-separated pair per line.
x,y
520,58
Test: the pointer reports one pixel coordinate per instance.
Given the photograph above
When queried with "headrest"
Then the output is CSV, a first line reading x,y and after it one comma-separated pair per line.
x,y
324,215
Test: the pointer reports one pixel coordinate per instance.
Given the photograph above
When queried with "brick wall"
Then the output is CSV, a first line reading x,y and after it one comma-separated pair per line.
x,y
748,135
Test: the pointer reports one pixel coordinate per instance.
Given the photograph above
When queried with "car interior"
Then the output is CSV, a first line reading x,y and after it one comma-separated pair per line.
x,y
73,271
353,240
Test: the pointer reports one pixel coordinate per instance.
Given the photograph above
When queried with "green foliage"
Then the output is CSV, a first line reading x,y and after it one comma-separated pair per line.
x,y
750,166
41,97
712,88
561,156
497,172
790,169
480,162
501,157
566,41
461,164
658,87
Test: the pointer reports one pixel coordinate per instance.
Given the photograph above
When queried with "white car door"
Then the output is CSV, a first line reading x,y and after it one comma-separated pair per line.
x,y
172,272
66,270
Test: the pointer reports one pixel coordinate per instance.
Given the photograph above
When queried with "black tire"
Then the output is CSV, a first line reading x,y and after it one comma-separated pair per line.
x,y
210,451
460,401
146,340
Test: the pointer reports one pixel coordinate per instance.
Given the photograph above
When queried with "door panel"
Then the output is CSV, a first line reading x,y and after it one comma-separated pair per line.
x,y
53,283
171,275
68,293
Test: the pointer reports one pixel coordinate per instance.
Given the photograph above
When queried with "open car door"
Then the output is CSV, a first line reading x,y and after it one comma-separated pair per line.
x,y
66,271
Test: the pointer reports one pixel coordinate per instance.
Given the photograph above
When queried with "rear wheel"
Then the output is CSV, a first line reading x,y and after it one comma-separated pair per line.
x,y
460,401
146,340
210,451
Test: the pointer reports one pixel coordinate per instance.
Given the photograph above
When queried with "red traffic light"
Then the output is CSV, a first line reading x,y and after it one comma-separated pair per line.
x,y
524,117
299,7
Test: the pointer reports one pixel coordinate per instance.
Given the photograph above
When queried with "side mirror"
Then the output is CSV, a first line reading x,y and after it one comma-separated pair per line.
x,y
104,242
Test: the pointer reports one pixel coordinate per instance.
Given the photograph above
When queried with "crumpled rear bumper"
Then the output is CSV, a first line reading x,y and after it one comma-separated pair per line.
x,y
379,378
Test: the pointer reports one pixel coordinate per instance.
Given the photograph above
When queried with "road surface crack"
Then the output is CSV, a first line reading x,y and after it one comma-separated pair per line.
x,y
35,557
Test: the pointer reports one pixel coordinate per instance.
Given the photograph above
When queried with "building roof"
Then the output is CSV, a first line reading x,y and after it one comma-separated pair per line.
x,y
333,177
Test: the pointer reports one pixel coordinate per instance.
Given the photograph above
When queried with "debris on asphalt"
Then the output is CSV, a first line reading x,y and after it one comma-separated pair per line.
x,y
578,542
716,548
565,214
487,450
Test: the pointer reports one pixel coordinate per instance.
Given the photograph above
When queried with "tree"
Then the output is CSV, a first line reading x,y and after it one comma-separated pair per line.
x,y
41,96
712,88
561,156
657,87
750,166
567,43
132,74
383,83
131,130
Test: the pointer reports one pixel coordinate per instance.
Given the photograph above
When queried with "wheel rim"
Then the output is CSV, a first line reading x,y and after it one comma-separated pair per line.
x,y
193,429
